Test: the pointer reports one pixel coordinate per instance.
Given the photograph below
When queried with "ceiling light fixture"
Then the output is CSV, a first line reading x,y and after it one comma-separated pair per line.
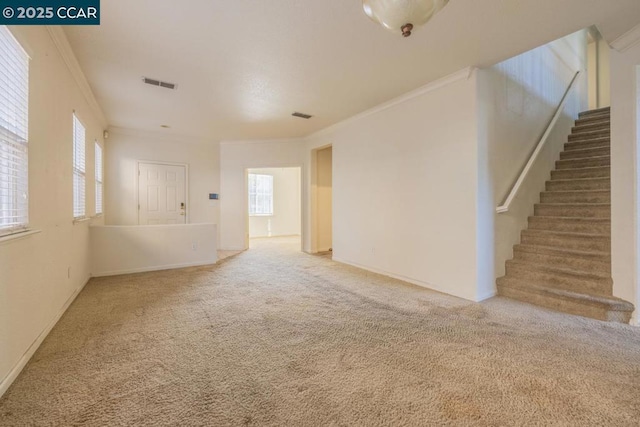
x,y
401,16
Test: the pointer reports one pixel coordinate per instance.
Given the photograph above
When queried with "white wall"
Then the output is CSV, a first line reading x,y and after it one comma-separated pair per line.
x,y
604,74
286,219
133,249
404,187
41,274
126,148
598,67
324,185
517,100
624,175
235,159
417,180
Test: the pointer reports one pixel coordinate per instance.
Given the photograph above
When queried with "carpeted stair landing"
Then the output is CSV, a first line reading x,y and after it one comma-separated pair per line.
x,y
563,261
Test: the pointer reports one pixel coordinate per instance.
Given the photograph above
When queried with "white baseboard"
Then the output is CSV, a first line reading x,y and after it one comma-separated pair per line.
x,y
13,374
154,268
487,295
420,283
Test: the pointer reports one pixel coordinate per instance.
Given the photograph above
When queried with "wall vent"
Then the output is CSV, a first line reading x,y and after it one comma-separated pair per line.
x,y
154,82
301,115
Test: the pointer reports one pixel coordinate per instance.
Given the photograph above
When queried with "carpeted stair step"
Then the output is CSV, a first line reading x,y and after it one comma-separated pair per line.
x,y
593,134
564,258
590,143
588,196
592,126
607,308
578,184
579,173
595,112
573,241
570,224
585,153
595,118
561,278
580,210
591,162
600,118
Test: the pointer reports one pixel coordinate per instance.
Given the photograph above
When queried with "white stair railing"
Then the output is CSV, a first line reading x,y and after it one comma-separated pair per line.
x,y
504,207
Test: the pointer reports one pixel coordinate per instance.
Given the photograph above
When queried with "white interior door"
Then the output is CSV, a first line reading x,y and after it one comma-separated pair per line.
x,y
161,194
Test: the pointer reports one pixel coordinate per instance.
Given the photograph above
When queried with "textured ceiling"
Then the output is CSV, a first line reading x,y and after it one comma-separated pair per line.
x,y
243,66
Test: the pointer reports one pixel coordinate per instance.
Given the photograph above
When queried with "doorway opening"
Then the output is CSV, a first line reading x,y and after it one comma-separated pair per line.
x,y
162,193
322,200
274,203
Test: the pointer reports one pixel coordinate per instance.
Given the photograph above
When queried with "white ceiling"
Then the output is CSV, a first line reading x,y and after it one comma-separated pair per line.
x,y
243,66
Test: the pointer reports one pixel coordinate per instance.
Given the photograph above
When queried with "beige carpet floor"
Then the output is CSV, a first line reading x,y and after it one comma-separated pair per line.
x,y
274,337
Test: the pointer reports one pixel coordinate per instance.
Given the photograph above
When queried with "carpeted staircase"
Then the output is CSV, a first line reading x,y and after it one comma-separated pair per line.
x,y
564,259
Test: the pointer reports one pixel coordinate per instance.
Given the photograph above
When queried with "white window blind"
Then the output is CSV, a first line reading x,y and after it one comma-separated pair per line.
x,y
99,177
79,169
260,194
14,118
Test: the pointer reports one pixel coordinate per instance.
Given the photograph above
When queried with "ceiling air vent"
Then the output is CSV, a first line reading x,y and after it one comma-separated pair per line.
x,y
154,82
301,115
168,85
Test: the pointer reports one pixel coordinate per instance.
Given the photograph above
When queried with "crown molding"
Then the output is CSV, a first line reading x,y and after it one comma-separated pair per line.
x,y
464,74
64,48
627,40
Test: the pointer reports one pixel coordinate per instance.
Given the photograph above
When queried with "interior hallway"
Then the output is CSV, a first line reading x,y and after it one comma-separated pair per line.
x,y
273,336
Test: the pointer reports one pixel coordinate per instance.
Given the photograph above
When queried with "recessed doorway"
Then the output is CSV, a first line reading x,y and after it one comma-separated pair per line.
x,y
322,200
274,203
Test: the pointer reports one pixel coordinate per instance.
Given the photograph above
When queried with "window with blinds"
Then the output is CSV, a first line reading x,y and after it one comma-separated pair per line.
x,y
79,169
14,118
260,194
99,176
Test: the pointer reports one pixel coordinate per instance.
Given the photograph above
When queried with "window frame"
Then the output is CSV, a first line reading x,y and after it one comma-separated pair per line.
x,y
14,131
253,191
79,169
99,178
